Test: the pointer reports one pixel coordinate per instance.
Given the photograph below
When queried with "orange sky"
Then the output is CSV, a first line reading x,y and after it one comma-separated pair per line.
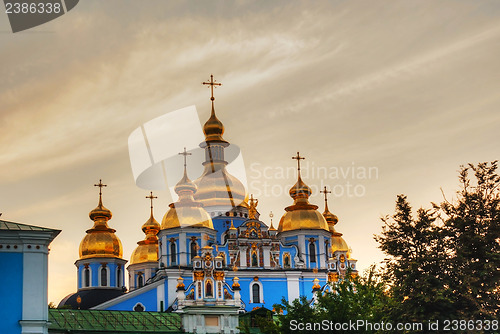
x,y
409,89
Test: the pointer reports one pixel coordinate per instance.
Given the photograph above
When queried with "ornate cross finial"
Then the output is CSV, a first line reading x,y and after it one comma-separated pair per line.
x,y
326,192
151,197
212,83
298,158
100,185
185,154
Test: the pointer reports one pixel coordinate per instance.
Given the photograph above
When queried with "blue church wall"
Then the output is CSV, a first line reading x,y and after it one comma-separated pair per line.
x,y
290,250
273,289
306,284
11,290
222,223
148,299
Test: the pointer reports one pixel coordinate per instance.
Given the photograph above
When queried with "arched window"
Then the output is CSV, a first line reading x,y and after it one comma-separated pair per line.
x,y
86,277
312,252
104,276
193,249
119,276
139,307
255,293
140,280
173,255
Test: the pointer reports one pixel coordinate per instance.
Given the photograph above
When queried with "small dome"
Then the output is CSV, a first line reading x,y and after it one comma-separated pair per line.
x,y
101,240
186,211
147,249
145,252
100,243
302,214
213,128
338,243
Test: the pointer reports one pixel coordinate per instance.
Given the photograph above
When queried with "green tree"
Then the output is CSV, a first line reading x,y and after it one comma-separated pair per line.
x,y
416,265
472,234
444,263
350,299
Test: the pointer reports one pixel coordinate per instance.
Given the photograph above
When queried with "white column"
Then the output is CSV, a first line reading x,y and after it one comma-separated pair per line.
x,y
243,257
35,310
182,249
267,259
292,279
172,286
322,255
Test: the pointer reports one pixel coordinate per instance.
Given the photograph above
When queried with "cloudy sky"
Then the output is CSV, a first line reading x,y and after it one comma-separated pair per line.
x,y
406,89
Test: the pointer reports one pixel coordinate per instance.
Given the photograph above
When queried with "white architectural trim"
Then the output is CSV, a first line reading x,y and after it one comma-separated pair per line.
x,y
261,292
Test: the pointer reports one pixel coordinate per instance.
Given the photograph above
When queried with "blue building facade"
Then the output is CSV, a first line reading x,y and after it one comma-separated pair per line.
x,y
23,288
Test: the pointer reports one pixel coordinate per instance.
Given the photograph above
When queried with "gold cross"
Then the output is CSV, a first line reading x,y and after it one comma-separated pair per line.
x,y
100,185
325,192
151,197
185,154
298,158
212,83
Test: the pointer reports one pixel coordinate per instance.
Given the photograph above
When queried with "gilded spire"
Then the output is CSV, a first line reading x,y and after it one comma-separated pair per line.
x,y
271,215
300,192
151,227
100,210
147,249
213,128
232,226
331,219
185,188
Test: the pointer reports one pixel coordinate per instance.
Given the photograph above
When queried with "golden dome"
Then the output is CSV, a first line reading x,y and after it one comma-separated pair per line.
x,y
338,243
147,249
186,211
216,187
302,214
101,240
213,128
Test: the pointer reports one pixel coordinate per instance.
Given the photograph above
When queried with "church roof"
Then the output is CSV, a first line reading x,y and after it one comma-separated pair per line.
x,y
18,230
90,298
118,322
11,226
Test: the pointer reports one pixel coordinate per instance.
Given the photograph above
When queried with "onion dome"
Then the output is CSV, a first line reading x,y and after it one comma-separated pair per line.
x,y
330,218
213,128
186,211
338,243
147,249
216,187
101,240
302,214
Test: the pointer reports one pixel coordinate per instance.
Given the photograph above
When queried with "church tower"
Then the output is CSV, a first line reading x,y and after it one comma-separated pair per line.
x,y
100,266
221,193
186,227
144,259
339,254
303,225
